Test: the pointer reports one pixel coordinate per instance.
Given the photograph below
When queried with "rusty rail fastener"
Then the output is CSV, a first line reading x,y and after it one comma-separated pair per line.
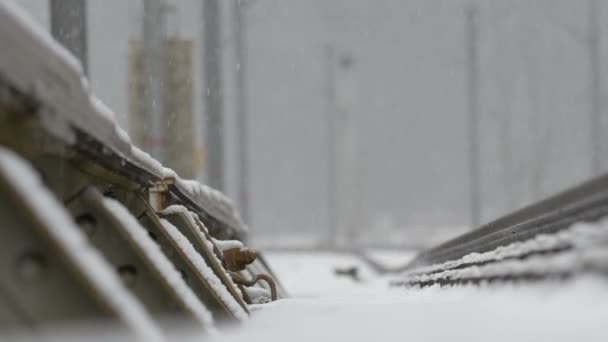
x,y
237,278
236,259
157,195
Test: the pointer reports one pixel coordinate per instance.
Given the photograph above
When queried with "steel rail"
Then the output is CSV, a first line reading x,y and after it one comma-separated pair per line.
x,y
586,202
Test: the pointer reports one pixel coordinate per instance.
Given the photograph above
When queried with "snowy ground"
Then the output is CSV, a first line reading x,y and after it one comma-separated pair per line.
x,y
313,274
324,307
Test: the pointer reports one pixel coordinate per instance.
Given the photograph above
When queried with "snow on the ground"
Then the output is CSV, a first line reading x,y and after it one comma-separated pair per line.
x,y
323,307
310,274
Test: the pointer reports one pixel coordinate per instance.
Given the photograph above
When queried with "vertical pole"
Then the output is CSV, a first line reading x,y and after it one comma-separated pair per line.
x,y
472,37
332,198
595,86
155,76
241,106
347,182
69,27
213,92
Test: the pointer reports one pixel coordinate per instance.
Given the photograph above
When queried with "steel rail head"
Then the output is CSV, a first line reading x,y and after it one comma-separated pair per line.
x,y
585,202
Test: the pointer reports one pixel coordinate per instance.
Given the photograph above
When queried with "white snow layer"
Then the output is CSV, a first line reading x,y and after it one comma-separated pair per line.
x,y
102,109
224,245
62,229
160,262
305,274
206,272
550,312
259,295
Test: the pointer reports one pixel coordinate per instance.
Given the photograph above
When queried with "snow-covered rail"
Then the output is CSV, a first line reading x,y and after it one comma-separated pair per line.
x,y
556,237
93,227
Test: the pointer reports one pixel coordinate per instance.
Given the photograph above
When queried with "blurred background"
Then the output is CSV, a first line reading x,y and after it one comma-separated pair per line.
x,y
355,123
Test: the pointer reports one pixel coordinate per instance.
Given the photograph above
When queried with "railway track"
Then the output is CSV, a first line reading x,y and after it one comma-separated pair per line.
x,y
558,237
93,227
